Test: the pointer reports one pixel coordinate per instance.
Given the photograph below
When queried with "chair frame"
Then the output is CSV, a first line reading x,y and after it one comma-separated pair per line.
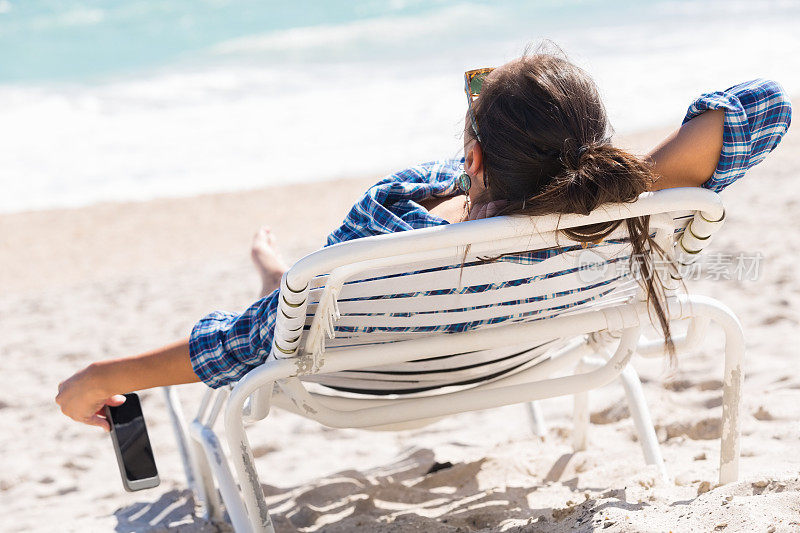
x,y
277,381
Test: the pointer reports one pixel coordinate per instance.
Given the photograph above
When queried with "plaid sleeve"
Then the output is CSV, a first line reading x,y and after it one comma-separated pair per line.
x,y
223,347
391,205
757,115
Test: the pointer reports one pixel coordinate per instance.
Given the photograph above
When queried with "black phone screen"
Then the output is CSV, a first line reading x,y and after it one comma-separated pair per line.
x,y
134,444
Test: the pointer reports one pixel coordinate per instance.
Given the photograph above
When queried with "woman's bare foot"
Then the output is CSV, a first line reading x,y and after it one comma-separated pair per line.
x,y
267,259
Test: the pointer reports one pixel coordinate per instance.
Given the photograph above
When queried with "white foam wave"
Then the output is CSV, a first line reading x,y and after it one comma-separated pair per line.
x,y
116,143
397,101
380,29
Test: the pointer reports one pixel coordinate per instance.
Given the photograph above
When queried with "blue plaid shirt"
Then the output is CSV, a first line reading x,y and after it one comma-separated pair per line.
x,y
225,346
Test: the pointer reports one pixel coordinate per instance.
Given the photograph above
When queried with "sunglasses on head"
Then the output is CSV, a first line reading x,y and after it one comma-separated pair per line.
x,y
473,83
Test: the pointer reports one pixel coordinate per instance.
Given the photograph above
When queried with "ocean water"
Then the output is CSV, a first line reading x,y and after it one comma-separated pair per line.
x,y
105,100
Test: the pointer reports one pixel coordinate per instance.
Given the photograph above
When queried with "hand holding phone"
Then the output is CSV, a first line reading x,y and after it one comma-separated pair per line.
x,y
137,466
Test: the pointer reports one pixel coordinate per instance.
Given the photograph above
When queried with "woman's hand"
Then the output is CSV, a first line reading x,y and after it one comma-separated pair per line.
x,y
83,397
487,210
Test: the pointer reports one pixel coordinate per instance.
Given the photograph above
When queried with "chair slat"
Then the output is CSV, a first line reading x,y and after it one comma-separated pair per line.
x,y
540,304
448,363
441,275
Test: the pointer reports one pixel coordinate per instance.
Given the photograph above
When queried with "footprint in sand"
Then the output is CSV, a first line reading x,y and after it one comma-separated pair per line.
x,y
763,414
706,429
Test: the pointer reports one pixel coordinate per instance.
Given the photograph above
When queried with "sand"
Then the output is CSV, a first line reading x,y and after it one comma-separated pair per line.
x,y
107,280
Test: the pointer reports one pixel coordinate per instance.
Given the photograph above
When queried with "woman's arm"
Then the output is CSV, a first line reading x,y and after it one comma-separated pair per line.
x,y
221,349
83,396
724,134
689,155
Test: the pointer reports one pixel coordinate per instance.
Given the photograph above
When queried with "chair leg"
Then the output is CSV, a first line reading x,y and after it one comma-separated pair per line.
x,y
642,420
242,457
195,465
536,419
639,412
580,420
207,494
206,488
580,407
733,378
216,461
730,447
181,436
251,491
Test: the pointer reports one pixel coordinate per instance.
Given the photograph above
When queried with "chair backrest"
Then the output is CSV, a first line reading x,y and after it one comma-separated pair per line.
x,y
469,276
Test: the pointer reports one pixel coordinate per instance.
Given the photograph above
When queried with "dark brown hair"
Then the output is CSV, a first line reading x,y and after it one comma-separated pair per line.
x,y
546,147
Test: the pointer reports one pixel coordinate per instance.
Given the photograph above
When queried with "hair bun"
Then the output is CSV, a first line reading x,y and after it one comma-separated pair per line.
x,y
571,154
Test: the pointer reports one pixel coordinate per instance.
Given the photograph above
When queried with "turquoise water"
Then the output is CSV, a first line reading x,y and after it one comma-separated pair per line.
x,y
46,40
56,40
120,100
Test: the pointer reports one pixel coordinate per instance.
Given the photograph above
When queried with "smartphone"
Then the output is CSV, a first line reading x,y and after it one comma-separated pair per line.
x,y
137,466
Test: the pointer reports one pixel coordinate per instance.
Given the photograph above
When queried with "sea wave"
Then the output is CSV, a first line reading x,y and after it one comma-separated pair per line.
x,y
360,97
381,31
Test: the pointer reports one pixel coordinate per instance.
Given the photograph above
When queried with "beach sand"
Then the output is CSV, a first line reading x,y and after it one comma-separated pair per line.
x,y
109,280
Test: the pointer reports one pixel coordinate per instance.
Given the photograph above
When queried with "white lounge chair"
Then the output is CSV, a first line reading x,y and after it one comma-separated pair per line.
x,y
364,336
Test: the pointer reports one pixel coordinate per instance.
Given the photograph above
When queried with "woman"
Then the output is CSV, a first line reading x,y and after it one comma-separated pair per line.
x,y
536,142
